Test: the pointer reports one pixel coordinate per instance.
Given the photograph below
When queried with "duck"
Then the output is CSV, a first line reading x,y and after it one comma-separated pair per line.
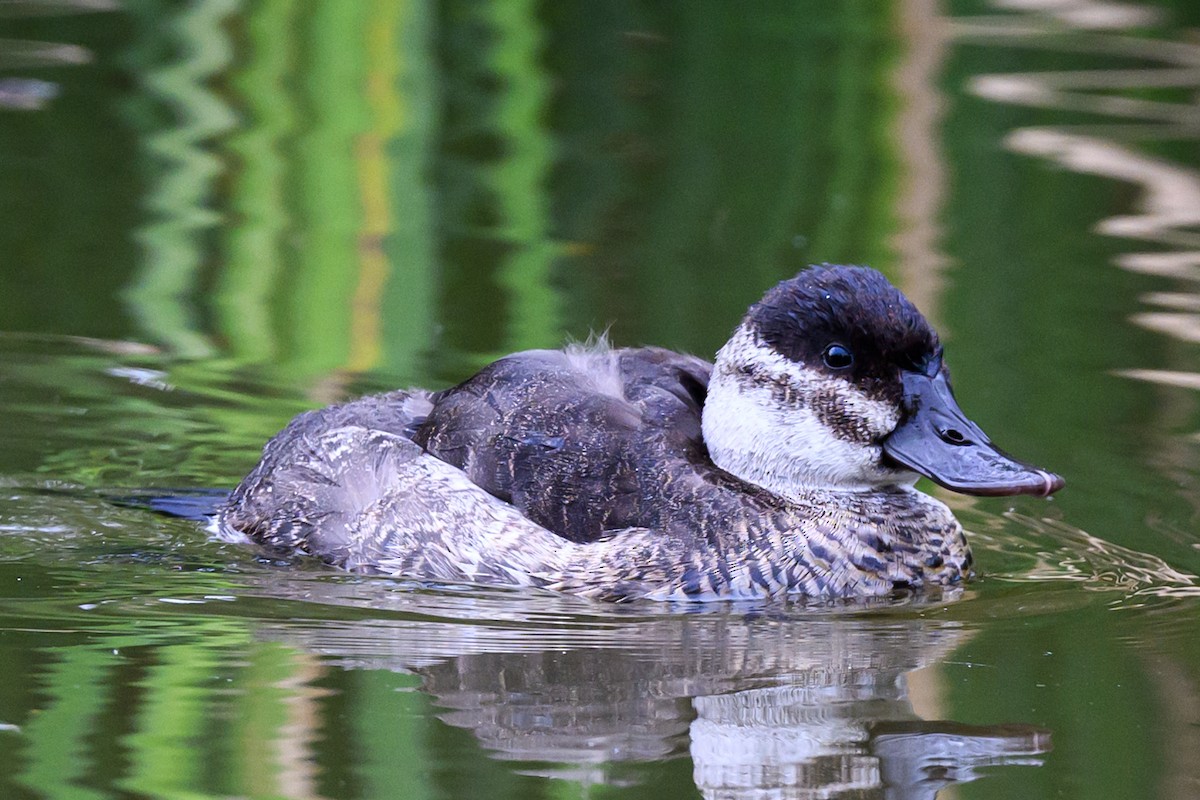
x,y
784,468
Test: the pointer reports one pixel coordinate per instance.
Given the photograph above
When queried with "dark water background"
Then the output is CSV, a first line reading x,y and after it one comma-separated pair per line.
x,y
219,213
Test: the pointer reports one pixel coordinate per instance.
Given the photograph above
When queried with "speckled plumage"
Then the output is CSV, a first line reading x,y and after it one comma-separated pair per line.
x,y
591,471
348,485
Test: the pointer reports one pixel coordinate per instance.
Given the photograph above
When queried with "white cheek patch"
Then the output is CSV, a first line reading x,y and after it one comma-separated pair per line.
x,y
782,426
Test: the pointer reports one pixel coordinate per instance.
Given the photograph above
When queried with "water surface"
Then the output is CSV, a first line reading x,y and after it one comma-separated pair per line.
x,y
223,213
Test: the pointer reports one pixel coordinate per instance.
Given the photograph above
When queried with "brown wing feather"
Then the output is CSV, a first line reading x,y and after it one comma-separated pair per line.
x,y
578,442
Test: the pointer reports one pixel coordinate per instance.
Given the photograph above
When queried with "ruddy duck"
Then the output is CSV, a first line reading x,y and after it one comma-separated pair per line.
x,y
784,468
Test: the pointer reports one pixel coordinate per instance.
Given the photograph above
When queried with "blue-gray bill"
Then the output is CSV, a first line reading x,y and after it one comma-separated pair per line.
x,y
937,440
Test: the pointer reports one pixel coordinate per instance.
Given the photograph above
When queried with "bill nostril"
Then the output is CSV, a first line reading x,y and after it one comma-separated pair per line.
x,y
953,436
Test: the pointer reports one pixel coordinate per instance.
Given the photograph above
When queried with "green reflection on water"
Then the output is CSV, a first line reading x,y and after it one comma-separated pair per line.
x,y
181,170
506,172
58,737
257,247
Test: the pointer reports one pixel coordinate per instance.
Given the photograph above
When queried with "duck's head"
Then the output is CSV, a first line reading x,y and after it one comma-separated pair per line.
x,y
835,380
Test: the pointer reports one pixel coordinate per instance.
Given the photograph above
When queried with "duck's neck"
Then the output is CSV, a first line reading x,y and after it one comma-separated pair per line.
x,y
788,429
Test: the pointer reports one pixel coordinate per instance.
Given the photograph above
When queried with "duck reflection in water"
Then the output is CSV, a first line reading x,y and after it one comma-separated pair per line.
x,y
805,703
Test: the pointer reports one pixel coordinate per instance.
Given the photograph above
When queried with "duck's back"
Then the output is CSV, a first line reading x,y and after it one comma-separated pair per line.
x,y
581,441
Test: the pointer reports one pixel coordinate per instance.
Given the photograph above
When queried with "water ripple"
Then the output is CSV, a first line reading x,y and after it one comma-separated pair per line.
x,y
1168,209
1052,550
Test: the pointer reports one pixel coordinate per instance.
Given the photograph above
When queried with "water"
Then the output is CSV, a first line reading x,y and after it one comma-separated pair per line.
x,y
220,213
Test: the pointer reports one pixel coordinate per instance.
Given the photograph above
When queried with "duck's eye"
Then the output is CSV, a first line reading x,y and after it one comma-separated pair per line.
x,y
837,357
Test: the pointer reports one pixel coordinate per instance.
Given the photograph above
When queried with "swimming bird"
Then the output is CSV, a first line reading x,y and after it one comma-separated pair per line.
x,y
784,468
